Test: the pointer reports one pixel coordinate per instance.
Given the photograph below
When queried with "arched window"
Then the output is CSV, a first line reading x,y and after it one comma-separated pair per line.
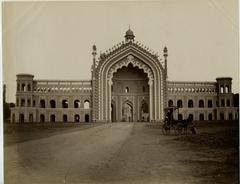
x,y
170,103
190,103
77,118
86,118
34,103
143,89
23,87
42,103
201,103
180,117
201,117
221,116
76,104
18,87
29,87
230,116
179,104
190,116
209,103
30,117
64,104
42,118
227,89
22,102
29,103
221,89
52,103
86,104
228,103
65,118
126,90
21,118
210,116
52,118
222,103
17,102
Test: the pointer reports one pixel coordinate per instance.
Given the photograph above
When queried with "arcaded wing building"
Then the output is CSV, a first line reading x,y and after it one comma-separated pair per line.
x,y
129,83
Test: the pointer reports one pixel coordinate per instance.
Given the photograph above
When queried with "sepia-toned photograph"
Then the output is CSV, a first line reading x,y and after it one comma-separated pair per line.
x,y
125,92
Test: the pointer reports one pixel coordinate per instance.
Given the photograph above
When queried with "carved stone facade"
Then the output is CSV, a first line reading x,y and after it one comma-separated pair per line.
x,y
129,83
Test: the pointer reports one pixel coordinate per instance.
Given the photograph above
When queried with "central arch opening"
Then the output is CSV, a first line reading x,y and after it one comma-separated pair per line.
x,y
130,95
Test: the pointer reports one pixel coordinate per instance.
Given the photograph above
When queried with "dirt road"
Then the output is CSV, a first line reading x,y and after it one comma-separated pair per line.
x,y
121,153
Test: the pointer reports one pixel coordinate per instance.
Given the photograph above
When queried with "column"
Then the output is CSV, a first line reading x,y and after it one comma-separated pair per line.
x,y
150,83
110,99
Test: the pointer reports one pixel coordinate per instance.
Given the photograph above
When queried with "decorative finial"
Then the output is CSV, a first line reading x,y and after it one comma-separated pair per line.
x,y
94,53
129,36
165,52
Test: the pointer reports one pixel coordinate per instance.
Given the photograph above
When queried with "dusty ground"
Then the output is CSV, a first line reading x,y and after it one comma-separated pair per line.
x,y
124,153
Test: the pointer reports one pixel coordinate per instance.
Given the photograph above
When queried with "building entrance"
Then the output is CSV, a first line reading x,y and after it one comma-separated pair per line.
x,y
130,95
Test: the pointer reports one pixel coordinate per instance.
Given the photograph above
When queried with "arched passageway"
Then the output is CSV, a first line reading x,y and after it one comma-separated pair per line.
x,y
130,94
144,112
52,118
127,112
42,118
113,111
86,118
76,118
21,118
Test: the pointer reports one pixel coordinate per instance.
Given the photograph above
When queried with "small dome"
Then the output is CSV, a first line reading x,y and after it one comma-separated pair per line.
x,y
129,35
129,32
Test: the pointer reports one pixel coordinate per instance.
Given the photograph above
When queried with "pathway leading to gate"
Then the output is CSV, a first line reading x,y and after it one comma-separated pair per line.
x,y
121,153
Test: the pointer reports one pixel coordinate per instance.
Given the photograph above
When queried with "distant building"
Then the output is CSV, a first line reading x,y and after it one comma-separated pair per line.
x,y
129,83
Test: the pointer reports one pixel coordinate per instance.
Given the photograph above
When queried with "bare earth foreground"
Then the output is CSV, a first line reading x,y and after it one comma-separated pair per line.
x,y
125,153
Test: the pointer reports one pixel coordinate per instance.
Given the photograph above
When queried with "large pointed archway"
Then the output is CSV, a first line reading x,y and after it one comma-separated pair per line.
x,y
121,56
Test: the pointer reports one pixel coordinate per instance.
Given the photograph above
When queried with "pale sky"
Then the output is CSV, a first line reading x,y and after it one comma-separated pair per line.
x,y
53,40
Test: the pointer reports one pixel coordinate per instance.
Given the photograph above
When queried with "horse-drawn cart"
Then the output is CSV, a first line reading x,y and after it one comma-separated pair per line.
x,y
177,127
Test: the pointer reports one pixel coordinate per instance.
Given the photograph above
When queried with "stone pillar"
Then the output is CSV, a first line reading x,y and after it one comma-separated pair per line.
x,y
110,99
150,83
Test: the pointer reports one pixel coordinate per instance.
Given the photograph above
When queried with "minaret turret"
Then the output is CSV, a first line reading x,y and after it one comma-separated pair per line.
x,y
165,54
94,53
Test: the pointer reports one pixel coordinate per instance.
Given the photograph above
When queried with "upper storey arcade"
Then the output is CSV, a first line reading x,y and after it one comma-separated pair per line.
x,y
26,84
191,87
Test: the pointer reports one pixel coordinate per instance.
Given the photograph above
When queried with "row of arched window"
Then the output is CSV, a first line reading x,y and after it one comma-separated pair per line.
x,y
52,103
200,103
62,89
23,87
190,103
224,89
52,118
64,118
76,104
210,116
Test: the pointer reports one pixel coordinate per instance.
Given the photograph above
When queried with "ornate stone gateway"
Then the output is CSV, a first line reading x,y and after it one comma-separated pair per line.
x,y
129,84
